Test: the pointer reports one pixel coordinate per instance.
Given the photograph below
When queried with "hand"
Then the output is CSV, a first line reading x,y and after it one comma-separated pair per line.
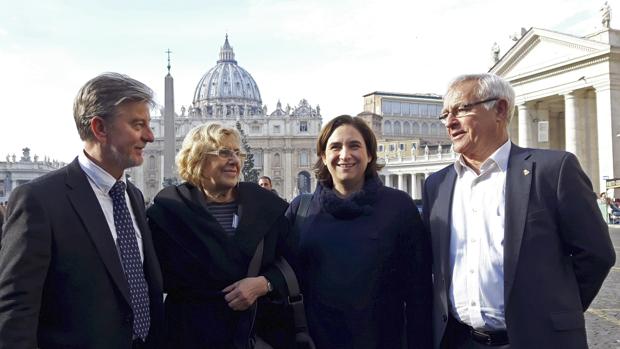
x,y
243,293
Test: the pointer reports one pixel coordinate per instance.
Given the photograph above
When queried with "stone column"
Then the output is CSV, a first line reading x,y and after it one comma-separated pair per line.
x,y
401,182
388,180
542,114
571,122
608,105
525,126
290,179
590,137
414,186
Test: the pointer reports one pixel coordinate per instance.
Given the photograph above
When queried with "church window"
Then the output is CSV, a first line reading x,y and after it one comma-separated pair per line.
x,y
258,157
414,109
424,129
380,147
276,129
406,128
152,163
276,160
387,127
303,158
395,108
255,129
424,109
397,130
401,146
404,109
392,147
303,126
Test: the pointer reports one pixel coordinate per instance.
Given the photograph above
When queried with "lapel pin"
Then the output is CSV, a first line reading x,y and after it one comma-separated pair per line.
x,y
526,172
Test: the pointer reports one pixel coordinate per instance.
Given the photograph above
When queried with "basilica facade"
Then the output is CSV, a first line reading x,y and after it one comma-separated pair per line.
x,y
283,141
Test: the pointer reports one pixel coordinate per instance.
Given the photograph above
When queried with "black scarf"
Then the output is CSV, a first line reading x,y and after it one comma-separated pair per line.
x,y
359,203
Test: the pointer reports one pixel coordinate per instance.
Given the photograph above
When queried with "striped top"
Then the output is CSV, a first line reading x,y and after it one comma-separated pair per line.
x,y
225,215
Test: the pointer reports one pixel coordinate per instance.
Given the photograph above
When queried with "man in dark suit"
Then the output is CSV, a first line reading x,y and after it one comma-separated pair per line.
x,y
77,264
520,249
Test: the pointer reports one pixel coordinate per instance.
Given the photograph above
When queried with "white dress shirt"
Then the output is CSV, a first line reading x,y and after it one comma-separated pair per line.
x,y
477,242
101,182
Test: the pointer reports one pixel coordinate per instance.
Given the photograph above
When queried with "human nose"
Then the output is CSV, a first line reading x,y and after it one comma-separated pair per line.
x,y
148,134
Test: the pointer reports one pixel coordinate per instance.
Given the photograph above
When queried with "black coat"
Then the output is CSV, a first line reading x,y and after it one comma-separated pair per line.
x,y
365,269
199,259
61,280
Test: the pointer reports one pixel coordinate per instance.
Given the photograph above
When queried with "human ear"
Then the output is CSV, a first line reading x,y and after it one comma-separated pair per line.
x,y
99,128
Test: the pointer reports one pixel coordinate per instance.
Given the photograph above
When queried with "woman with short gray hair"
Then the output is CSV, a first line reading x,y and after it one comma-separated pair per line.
x,y
206,230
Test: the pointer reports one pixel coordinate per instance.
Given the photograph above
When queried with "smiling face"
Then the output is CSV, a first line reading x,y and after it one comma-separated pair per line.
x,y
221,174
346,158
479,132
124,137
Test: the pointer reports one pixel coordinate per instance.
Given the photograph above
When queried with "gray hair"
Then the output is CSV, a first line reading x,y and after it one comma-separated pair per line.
x,y
102,95
489,86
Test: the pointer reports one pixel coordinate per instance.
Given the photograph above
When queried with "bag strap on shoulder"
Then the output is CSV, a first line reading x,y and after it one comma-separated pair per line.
x,y
302,212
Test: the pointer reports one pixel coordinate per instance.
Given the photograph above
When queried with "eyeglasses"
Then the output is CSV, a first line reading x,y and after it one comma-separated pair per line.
x,y
463,110
225,153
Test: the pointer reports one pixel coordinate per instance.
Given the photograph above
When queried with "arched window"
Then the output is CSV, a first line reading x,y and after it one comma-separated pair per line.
x,y
397,128
152,163
276,160
434,129
387,127
424,130
406,128
415,128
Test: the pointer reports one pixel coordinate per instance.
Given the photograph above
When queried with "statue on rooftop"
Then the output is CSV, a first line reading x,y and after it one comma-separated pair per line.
x,y
605,15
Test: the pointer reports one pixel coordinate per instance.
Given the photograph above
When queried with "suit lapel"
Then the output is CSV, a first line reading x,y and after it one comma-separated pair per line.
x,y
521,170
88,209
442,221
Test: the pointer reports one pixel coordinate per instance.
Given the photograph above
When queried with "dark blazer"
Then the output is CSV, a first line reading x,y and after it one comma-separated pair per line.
x,y
557,249
199,259
61,280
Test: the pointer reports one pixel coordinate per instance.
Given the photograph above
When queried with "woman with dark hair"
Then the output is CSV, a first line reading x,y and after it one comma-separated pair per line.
x,y
363,255
206,231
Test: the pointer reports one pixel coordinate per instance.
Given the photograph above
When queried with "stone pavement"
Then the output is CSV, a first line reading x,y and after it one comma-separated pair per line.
x,y
603,317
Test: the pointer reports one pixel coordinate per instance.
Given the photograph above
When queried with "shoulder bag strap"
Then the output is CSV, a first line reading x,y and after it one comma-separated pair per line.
x,y
257,259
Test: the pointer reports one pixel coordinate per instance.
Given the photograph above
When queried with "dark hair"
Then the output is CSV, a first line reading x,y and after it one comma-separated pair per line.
x,y
265,177
102,95
321,171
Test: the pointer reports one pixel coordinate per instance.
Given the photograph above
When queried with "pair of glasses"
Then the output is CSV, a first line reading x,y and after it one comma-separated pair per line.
x,y
463,110
225,153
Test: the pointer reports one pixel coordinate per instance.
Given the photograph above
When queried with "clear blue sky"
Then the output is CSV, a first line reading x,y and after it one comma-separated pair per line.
x,y
329,52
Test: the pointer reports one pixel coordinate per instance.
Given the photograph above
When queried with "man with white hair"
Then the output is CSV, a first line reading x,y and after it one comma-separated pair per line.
x,y
520,249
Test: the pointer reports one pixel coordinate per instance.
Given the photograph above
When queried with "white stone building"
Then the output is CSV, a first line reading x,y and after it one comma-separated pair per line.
x,y
568,96
283,142
14,173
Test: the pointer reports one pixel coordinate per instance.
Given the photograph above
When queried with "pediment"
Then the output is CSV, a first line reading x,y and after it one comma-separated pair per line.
x,y
539,49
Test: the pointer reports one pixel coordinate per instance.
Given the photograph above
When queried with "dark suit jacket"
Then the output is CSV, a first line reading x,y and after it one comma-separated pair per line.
x,y
557,249
61,280
199,259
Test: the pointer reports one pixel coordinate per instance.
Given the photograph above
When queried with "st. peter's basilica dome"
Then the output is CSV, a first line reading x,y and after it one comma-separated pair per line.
x,y
227,89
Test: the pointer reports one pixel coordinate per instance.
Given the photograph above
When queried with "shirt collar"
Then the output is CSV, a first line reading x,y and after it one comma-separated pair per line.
x,y
102,179
499,157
